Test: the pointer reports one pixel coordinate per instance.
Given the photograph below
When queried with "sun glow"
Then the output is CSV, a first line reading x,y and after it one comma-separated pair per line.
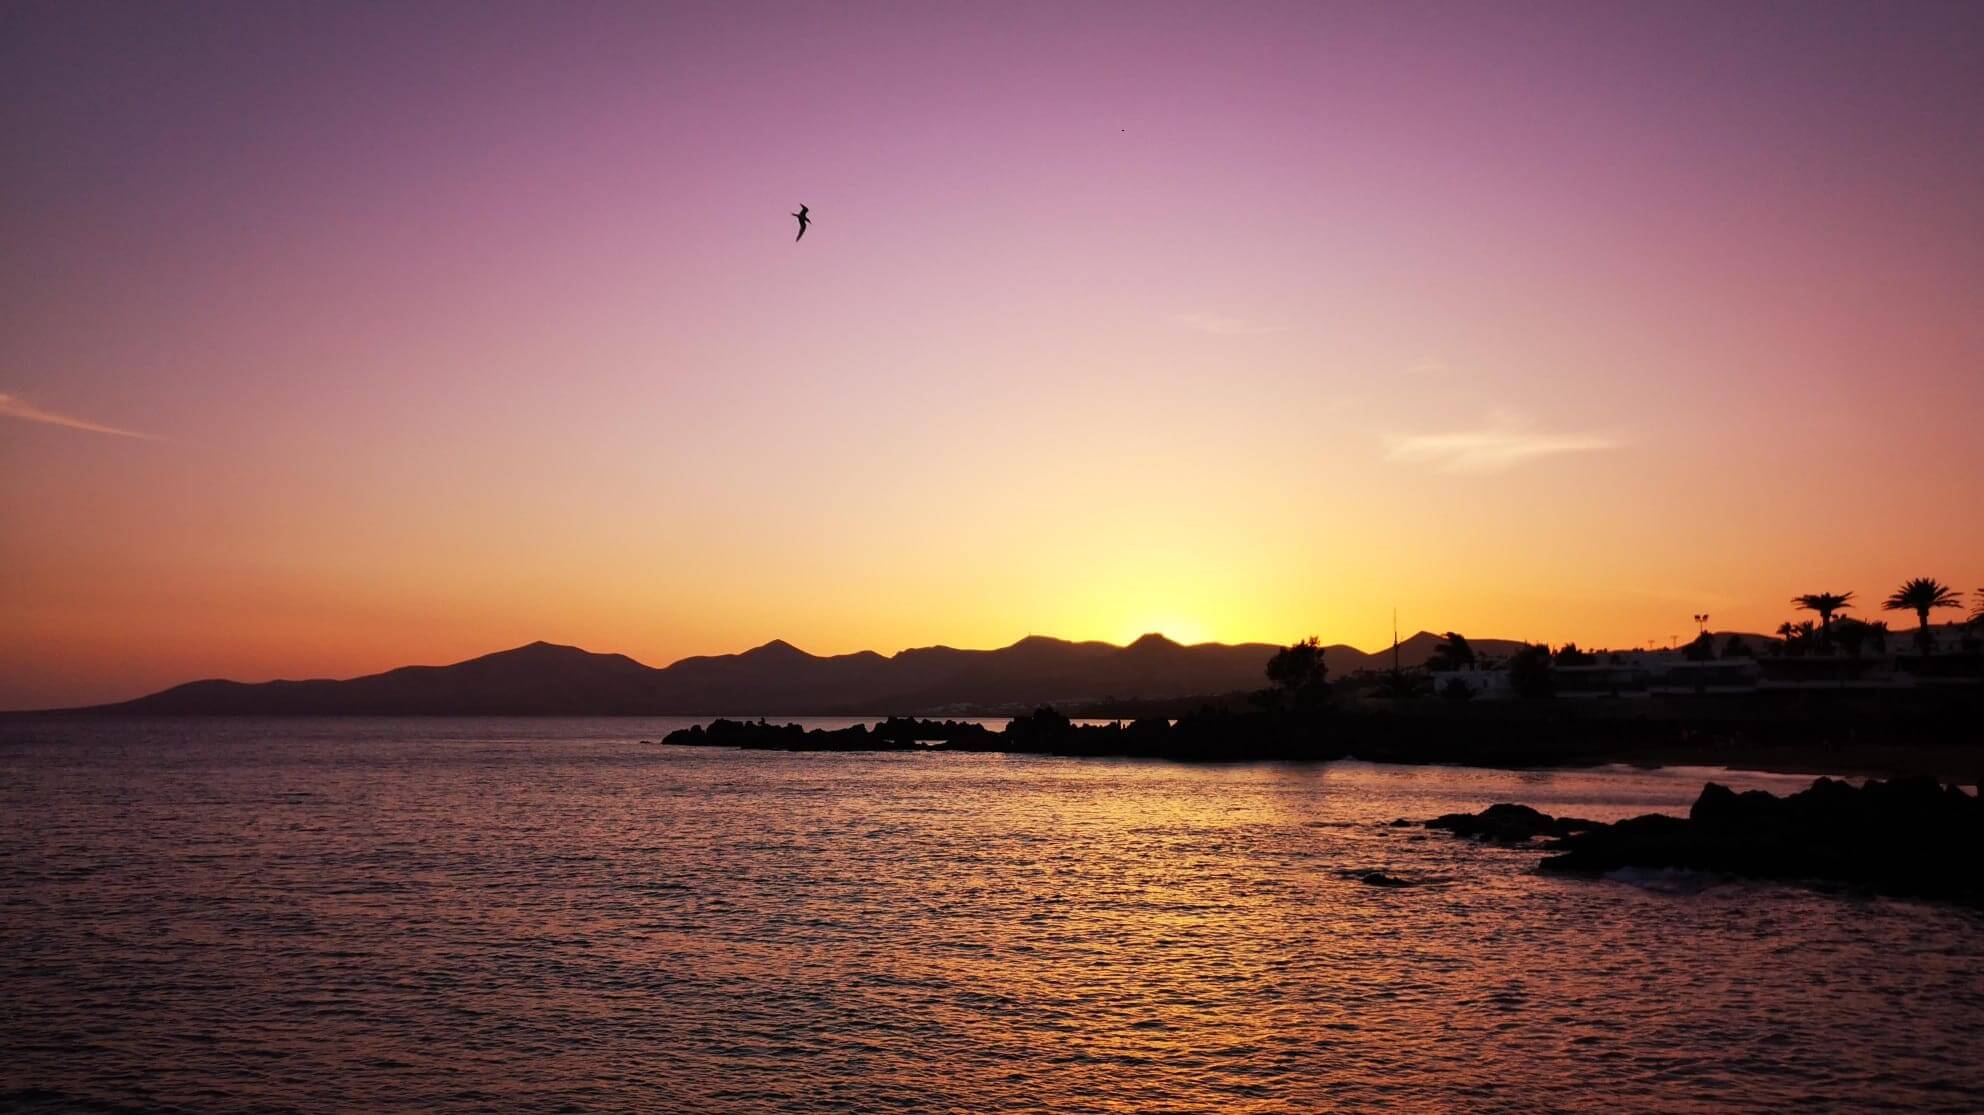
x,y
1176,628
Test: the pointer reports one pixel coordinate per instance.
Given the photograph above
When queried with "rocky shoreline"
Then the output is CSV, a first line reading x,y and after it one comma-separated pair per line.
x,y
1906,838
1912,836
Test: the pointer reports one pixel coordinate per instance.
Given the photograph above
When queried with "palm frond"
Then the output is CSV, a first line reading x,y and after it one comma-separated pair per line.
x,y
1919,594
1823,602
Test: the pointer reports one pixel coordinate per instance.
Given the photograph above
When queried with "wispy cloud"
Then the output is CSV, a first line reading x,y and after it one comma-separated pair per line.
x,y
1491,450
1226,326
13,406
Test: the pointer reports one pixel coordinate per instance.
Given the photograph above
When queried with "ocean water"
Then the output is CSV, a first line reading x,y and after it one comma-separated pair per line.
x,y
533,915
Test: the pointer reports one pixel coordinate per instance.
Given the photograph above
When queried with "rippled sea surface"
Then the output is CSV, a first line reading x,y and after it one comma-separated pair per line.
x,y
460,915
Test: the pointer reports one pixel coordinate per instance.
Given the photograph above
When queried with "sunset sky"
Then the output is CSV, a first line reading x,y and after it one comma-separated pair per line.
x,y
335,337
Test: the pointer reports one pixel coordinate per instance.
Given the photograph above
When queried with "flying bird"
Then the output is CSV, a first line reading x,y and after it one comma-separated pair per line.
x,y
804,220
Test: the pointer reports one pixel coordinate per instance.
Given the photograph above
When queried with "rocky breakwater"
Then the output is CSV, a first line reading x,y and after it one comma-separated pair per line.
x,y
761,736
893,734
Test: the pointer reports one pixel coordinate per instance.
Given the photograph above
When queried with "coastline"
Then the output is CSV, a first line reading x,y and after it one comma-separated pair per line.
x,y
1932,741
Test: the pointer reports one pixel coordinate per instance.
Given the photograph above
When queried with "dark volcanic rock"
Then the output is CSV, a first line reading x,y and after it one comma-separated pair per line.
x,y
759,736
909,729
1909,837
1504,823
1210,735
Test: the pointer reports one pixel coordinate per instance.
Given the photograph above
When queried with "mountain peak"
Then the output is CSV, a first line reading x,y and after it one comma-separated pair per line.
x,y
777,648
539,649
1152,641
542,655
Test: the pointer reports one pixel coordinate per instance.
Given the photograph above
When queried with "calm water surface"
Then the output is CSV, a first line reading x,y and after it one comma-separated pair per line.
x,y
458,915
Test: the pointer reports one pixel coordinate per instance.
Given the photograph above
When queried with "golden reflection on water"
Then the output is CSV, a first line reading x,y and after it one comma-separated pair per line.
x,y
582,922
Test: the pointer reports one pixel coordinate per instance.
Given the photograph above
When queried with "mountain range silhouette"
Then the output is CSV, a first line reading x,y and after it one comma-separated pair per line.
x,y
776,679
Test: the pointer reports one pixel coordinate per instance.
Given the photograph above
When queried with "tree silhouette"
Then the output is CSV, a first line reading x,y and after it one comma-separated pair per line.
x,y
1824,603
1852,635
1529,672
1453,654
1919,595
1298,670
1977,616
1798,637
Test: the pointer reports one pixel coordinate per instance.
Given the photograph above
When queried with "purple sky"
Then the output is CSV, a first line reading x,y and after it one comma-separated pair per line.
x,y
453,326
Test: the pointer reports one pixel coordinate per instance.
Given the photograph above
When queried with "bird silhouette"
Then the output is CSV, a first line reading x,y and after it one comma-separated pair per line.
x,y
804,220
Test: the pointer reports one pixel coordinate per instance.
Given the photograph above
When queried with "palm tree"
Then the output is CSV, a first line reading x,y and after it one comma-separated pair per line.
x,y
1852,635
1824,603
1919,595
1977,617
1798,637
1877,634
